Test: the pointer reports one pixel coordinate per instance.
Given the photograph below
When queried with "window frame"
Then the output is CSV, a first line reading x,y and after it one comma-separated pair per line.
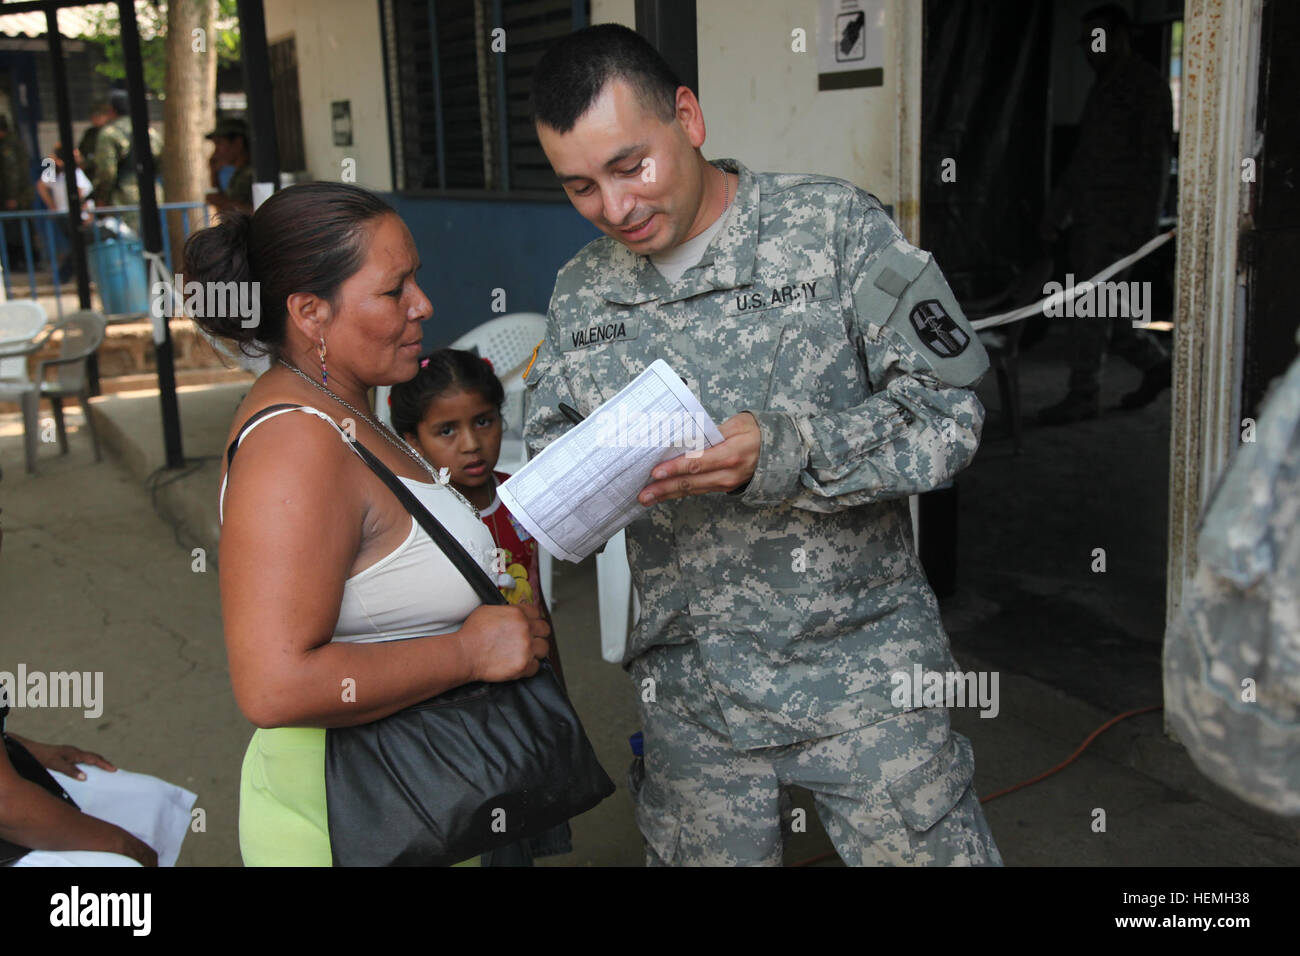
x,y
579,18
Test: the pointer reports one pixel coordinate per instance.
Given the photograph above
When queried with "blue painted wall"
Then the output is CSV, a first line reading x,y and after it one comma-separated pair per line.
x,y
470,247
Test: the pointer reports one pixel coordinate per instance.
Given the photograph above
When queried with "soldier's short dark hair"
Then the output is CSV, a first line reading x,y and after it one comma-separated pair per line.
x,y
1114,16
119,102
574,71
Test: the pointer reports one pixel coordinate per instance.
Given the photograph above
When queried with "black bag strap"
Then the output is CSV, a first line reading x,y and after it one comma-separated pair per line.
x,y
230,452
455,551
478,579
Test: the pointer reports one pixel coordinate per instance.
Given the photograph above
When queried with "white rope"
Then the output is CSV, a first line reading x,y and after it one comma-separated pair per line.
x,y
257,364
1057,299
158,275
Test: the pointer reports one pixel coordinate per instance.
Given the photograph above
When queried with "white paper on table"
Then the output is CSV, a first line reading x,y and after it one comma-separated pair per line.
x,y
581,490
72,858
154,810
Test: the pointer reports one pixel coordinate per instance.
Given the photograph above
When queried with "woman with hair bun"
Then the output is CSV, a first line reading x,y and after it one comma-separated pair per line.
x,y
327,581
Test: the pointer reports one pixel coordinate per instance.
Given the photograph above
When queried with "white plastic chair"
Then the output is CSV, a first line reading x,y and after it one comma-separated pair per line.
x,y
21,320
508,342
83,333
21,325
617,598
256,364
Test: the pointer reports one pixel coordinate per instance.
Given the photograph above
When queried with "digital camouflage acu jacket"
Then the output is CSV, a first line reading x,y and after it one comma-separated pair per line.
x,y
1232,653
809,310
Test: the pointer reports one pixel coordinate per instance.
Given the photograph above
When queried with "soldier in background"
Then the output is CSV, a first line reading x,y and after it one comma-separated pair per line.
x,y
1112,194
99,116
230,149
115,176
780,593
16,190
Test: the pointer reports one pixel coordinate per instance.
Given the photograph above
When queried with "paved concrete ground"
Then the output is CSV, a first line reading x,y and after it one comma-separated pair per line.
x,y
91,578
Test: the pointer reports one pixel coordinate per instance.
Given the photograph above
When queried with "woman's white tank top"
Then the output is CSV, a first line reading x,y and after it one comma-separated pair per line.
x,y
415,590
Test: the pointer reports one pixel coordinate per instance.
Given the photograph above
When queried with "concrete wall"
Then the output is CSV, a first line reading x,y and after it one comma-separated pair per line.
x,y
761,103
339,58
760,99
615,11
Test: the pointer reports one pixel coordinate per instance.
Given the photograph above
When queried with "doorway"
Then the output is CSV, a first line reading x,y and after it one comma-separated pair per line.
x,y
1062,547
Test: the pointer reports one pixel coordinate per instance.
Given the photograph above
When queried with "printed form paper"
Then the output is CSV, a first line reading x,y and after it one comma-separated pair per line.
x,y
581,490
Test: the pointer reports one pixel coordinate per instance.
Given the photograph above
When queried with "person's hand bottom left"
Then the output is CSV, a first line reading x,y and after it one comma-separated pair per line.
x,y
64,757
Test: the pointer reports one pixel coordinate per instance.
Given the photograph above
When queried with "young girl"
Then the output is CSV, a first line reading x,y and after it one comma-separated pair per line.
x,y
451,413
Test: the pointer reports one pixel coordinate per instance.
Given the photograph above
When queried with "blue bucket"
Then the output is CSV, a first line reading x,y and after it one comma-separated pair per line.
x,y
118,268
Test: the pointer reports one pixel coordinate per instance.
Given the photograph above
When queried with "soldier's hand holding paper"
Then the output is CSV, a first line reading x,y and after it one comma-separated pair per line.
x,y
722,467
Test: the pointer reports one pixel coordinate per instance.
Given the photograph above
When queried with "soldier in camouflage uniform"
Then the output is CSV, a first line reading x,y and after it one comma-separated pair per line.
x,y
99,118
230,148
16,188
773,616
115,180
1112,192
1232,657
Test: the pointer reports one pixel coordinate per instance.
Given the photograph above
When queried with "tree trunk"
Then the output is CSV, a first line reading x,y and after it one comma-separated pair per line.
x,y
189,111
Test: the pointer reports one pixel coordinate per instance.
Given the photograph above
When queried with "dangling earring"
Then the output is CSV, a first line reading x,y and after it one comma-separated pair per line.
x,y
325,375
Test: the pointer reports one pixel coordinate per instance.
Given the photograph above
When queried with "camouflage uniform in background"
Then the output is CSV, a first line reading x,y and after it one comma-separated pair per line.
x,y
1113,191
15,183
1240,620
15,174
240,186
772,620
86,147
116,183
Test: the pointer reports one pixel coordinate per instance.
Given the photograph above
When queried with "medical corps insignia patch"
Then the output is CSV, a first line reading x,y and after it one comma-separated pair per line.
x,y
936,328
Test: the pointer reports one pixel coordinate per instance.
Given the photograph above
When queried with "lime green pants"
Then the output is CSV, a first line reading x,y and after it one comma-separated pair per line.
x,y
282,816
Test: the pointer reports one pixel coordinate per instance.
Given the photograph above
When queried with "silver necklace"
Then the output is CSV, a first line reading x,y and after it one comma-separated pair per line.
x,y
726,189
401,444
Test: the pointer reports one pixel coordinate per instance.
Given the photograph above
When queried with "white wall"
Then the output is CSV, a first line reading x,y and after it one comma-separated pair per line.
x,y
761,103
339,58
760,99
615,11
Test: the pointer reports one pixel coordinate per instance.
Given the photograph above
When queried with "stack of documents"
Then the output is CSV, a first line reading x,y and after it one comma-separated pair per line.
x,y
581,490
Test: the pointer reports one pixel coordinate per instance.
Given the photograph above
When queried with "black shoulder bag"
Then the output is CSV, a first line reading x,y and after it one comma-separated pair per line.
x,y
476,768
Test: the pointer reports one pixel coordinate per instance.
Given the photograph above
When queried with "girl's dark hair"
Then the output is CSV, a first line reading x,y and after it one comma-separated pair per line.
x,y
306,238
443,371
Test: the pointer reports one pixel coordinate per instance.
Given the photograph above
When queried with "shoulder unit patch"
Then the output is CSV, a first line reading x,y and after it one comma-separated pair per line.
x,y
936,328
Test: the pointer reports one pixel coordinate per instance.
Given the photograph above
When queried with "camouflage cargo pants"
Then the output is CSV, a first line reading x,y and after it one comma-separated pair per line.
x,y
1092,248
897,792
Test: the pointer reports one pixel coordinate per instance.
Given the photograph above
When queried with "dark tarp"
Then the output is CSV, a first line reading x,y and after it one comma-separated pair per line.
x,y
986,82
